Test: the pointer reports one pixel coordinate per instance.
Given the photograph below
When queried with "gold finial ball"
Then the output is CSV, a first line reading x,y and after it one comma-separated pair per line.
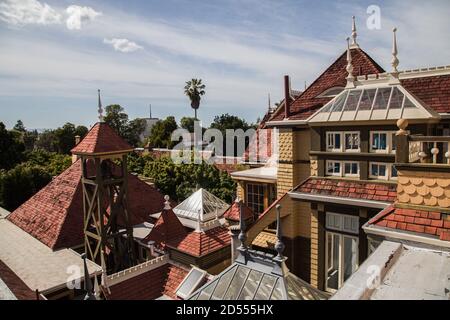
x,y
278,206
394,30
402,124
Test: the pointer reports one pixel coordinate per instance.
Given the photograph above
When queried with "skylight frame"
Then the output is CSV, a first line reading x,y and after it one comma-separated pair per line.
x,y
194,286
388,112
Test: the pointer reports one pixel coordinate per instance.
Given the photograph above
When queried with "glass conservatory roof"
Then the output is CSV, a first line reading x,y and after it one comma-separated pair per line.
x,y
256,282
203,202
385,102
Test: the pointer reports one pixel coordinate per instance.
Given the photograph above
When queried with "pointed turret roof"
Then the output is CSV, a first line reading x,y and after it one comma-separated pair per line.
x,y
54,215
233,212
101,139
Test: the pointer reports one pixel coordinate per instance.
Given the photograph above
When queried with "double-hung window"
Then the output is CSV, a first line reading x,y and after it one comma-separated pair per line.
x,y
341,249
342,168
382,171
343,141
382,141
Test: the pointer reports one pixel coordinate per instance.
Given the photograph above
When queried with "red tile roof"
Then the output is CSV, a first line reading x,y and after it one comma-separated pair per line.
x,y
433,91
260,146
419,221
334,76
54,215
101,139
150,285
202,243
350,189
233,212
167,227
15,284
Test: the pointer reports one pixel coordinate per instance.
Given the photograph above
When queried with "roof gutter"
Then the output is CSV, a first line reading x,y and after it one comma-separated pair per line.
x,y
378,231
339,200
286,123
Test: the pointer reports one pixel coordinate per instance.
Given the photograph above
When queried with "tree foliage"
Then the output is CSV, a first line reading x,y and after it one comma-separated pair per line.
x,y
19,184
179,181
160,135
128,130
11,148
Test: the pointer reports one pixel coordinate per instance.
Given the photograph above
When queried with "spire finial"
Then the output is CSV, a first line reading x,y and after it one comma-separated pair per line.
x,y
150,107
268,101
87,281
166,202
242,235
279,245
100,110
394,62
354,34
350,77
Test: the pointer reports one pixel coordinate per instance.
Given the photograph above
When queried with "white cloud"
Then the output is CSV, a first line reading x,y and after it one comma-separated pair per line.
x,y
22,12
79,15
123,45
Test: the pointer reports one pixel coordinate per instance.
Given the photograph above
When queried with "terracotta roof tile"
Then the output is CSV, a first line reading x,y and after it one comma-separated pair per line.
x,y
339,188
420,221
150,285
101,139
202,243
54,215
233,212
334,76
433,91
167,227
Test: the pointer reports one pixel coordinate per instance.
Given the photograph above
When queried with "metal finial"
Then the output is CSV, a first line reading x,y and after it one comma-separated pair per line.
x,y
354,34
242,235
166,202
87,280
268,101
349,68
279,245
100,109
395,60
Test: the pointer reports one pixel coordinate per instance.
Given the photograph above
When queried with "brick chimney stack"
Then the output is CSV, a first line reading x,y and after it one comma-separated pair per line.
x,y
287,96
74,156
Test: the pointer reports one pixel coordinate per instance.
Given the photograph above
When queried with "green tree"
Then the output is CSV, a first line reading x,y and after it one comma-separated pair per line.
x,y
227,121
133,131
29,139
160,135
54,163
46,140
11,148
19,126
116,118
19,184
81,131
194,89
187,123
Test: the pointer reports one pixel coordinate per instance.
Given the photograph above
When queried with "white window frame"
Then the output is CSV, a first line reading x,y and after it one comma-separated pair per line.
x,y
389,147
342,135
341,258
344,141
341,217
333,149
389,170
194,287
341,172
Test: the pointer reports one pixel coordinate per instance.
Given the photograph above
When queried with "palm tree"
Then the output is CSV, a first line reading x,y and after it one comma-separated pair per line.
x,y
194,89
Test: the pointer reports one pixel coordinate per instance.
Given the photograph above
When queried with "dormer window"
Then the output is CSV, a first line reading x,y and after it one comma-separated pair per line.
x,y
331,92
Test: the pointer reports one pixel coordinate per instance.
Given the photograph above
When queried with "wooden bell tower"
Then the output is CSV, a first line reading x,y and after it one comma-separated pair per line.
x,y
107,229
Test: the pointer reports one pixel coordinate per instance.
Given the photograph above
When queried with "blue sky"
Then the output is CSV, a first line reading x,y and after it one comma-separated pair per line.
x,y
56,54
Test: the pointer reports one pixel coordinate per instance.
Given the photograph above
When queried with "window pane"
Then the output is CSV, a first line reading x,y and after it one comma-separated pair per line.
x,y
339,102
351,141
351,224
396,99
352,101
394,172
337,167
333,261
382,98
409,104
337,141
251,285
367,99
394,141
222,285
374,169
237,283
265,288
350,256
382,170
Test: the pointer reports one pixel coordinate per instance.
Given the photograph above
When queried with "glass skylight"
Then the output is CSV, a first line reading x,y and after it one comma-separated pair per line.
x,y
190,282
384,102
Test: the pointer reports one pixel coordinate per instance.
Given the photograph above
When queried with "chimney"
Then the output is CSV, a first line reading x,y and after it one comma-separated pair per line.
x,y
74,156
234,233
287,96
